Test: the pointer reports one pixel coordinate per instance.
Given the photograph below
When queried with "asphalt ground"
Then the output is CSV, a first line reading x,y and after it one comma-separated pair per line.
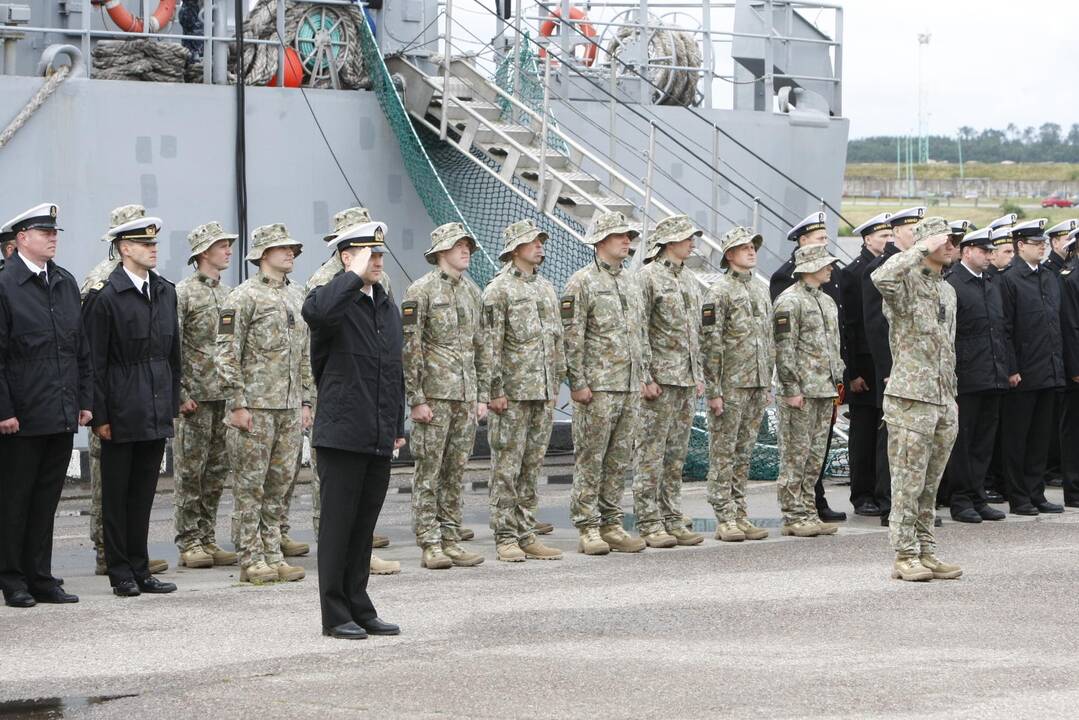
x,y
780,628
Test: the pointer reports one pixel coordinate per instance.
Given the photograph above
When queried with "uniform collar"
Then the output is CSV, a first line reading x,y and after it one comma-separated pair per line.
x,y
809,288
448,278
526,277
969,274
742,277
23,272
122,280
206,279
269,281
674,268
610,269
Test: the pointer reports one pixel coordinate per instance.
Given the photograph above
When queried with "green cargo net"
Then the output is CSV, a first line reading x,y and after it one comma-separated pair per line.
x,y
522,80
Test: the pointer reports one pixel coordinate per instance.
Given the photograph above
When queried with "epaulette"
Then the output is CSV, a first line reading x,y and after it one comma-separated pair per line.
x,y
96,287
1065,272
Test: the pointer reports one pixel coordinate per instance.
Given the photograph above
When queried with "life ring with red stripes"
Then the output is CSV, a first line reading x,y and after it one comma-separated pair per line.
x,y
575,13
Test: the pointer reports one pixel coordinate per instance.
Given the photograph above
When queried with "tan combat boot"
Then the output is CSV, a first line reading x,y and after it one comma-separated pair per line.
x,y
910,569
509,552
824,528
258,574
729,532
685,536
687,521
288,573
156,567
800,529
379,541
460,556
384,567
590,543
536,550
543,528
659,539
291,548
467,534
619,540
221,557
940,570
751,531
196,557
434,559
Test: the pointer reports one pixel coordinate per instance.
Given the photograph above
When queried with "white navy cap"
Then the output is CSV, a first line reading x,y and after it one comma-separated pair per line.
x,y
1001,235
144,230
978,238
1003,221
1071,237
1062,228
959,228
366,235
1031,230
874,224
811,223
42,217
910,216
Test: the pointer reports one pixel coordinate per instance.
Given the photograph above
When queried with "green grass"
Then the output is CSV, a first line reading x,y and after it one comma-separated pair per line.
x,y
857,212
992,171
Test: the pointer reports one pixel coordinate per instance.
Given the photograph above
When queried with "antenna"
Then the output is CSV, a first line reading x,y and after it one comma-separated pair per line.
x,y
923,103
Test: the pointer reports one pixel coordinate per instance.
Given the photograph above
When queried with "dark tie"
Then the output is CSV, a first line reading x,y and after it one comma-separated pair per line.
x,y
43,279
146,290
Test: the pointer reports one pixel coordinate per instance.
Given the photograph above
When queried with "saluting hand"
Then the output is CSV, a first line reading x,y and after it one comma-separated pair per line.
x,y
9,426
359,262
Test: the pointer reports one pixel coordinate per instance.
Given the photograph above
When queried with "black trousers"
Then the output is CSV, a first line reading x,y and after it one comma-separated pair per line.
x,y
1069,443
979,414
1026,424
128,482
862,450
352,492
1054,458
32,473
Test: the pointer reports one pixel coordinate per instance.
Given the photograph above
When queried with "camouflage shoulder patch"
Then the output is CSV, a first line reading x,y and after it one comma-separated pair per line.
x,y
708,314
408,312
783,322
227,323
567,307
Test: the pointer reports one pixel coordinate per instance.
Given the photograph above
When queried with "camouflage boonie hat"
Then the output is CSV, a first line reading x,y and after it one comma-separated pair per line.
x,y
445,237
931,226
812,258
519,233
738,236
348,218
201,238
610,223
123,214
270,236
675,228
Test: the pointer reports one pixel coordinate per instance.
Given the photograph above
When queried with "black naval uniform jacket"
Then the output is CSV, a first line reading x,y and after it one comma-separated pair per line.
x,y
876,325
356,346
45,373
859,358
981,342
1031,302
1069,324
1055,263
135,346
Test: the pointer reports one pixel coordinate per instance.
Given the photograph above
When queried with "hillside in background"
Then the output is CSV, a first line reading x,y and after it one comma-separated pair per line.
x,y
1048,143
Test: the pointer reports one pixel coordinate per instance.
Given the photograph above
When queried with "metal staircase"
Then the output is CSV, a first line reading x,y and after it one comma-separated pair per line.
x,y
560,172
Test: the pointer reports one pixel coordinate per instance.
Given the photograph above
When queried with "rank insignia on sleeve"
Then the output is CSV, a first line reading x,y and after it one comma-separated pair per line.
x,y
227,323
567,307
783,323
708,314
408,312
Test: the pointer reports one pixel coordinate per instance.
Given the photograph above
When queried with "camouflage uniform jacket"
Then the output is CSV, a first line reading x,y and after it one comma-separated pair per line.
x,y
736,334
443,351
99,274
524,336
920,307
671,299
604,332
198,304
806,328
262,346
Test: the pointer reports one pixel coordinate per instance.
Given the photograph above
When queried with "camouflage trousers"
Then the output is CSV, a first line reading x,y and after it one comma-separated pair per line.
x,y
519,438
97,532
201,469
264,466
441,449
920,439
604,431
285,525
803,437
661,455
731,438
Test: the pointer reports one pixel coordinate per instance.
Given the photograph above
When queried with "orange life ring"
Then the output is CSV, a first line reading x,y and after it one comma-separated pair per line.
x,y
129,23
575,13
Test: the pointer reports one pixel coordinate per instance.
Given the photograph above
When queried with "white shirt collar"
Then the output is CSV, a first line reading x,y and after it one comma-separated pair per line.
x,y
977,275
135,279
33,268
369,291
1034,267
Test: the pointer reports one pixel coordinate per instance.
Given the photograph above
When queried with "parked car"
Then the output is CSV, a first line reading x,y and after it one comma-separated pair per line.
x,y
1058,201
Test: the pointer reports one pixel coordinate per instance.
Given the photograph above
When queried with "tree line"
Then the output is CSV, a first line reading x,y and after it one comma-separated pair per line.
x,y
1047,143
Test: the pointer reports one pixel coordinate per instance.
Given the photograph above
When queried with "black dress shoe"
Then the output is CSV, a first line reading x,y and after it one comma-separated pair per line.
x,y
827,514
989,513
868,509
155,586
19,599
377,626
967,515
1024,510
56,596
1054,481
994,497
1048,507
346,631
885,518
126,588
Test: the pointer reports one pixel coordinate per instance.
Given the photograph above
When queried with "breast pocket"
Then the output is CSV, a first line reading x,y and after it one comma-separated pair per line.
x,y
268,331
522,318
607,311
442,321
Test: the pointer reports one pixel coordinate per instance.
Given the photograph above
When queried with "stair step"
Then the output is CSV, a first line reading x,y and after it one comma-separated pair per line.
x,y
583,207
490,133
486,110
